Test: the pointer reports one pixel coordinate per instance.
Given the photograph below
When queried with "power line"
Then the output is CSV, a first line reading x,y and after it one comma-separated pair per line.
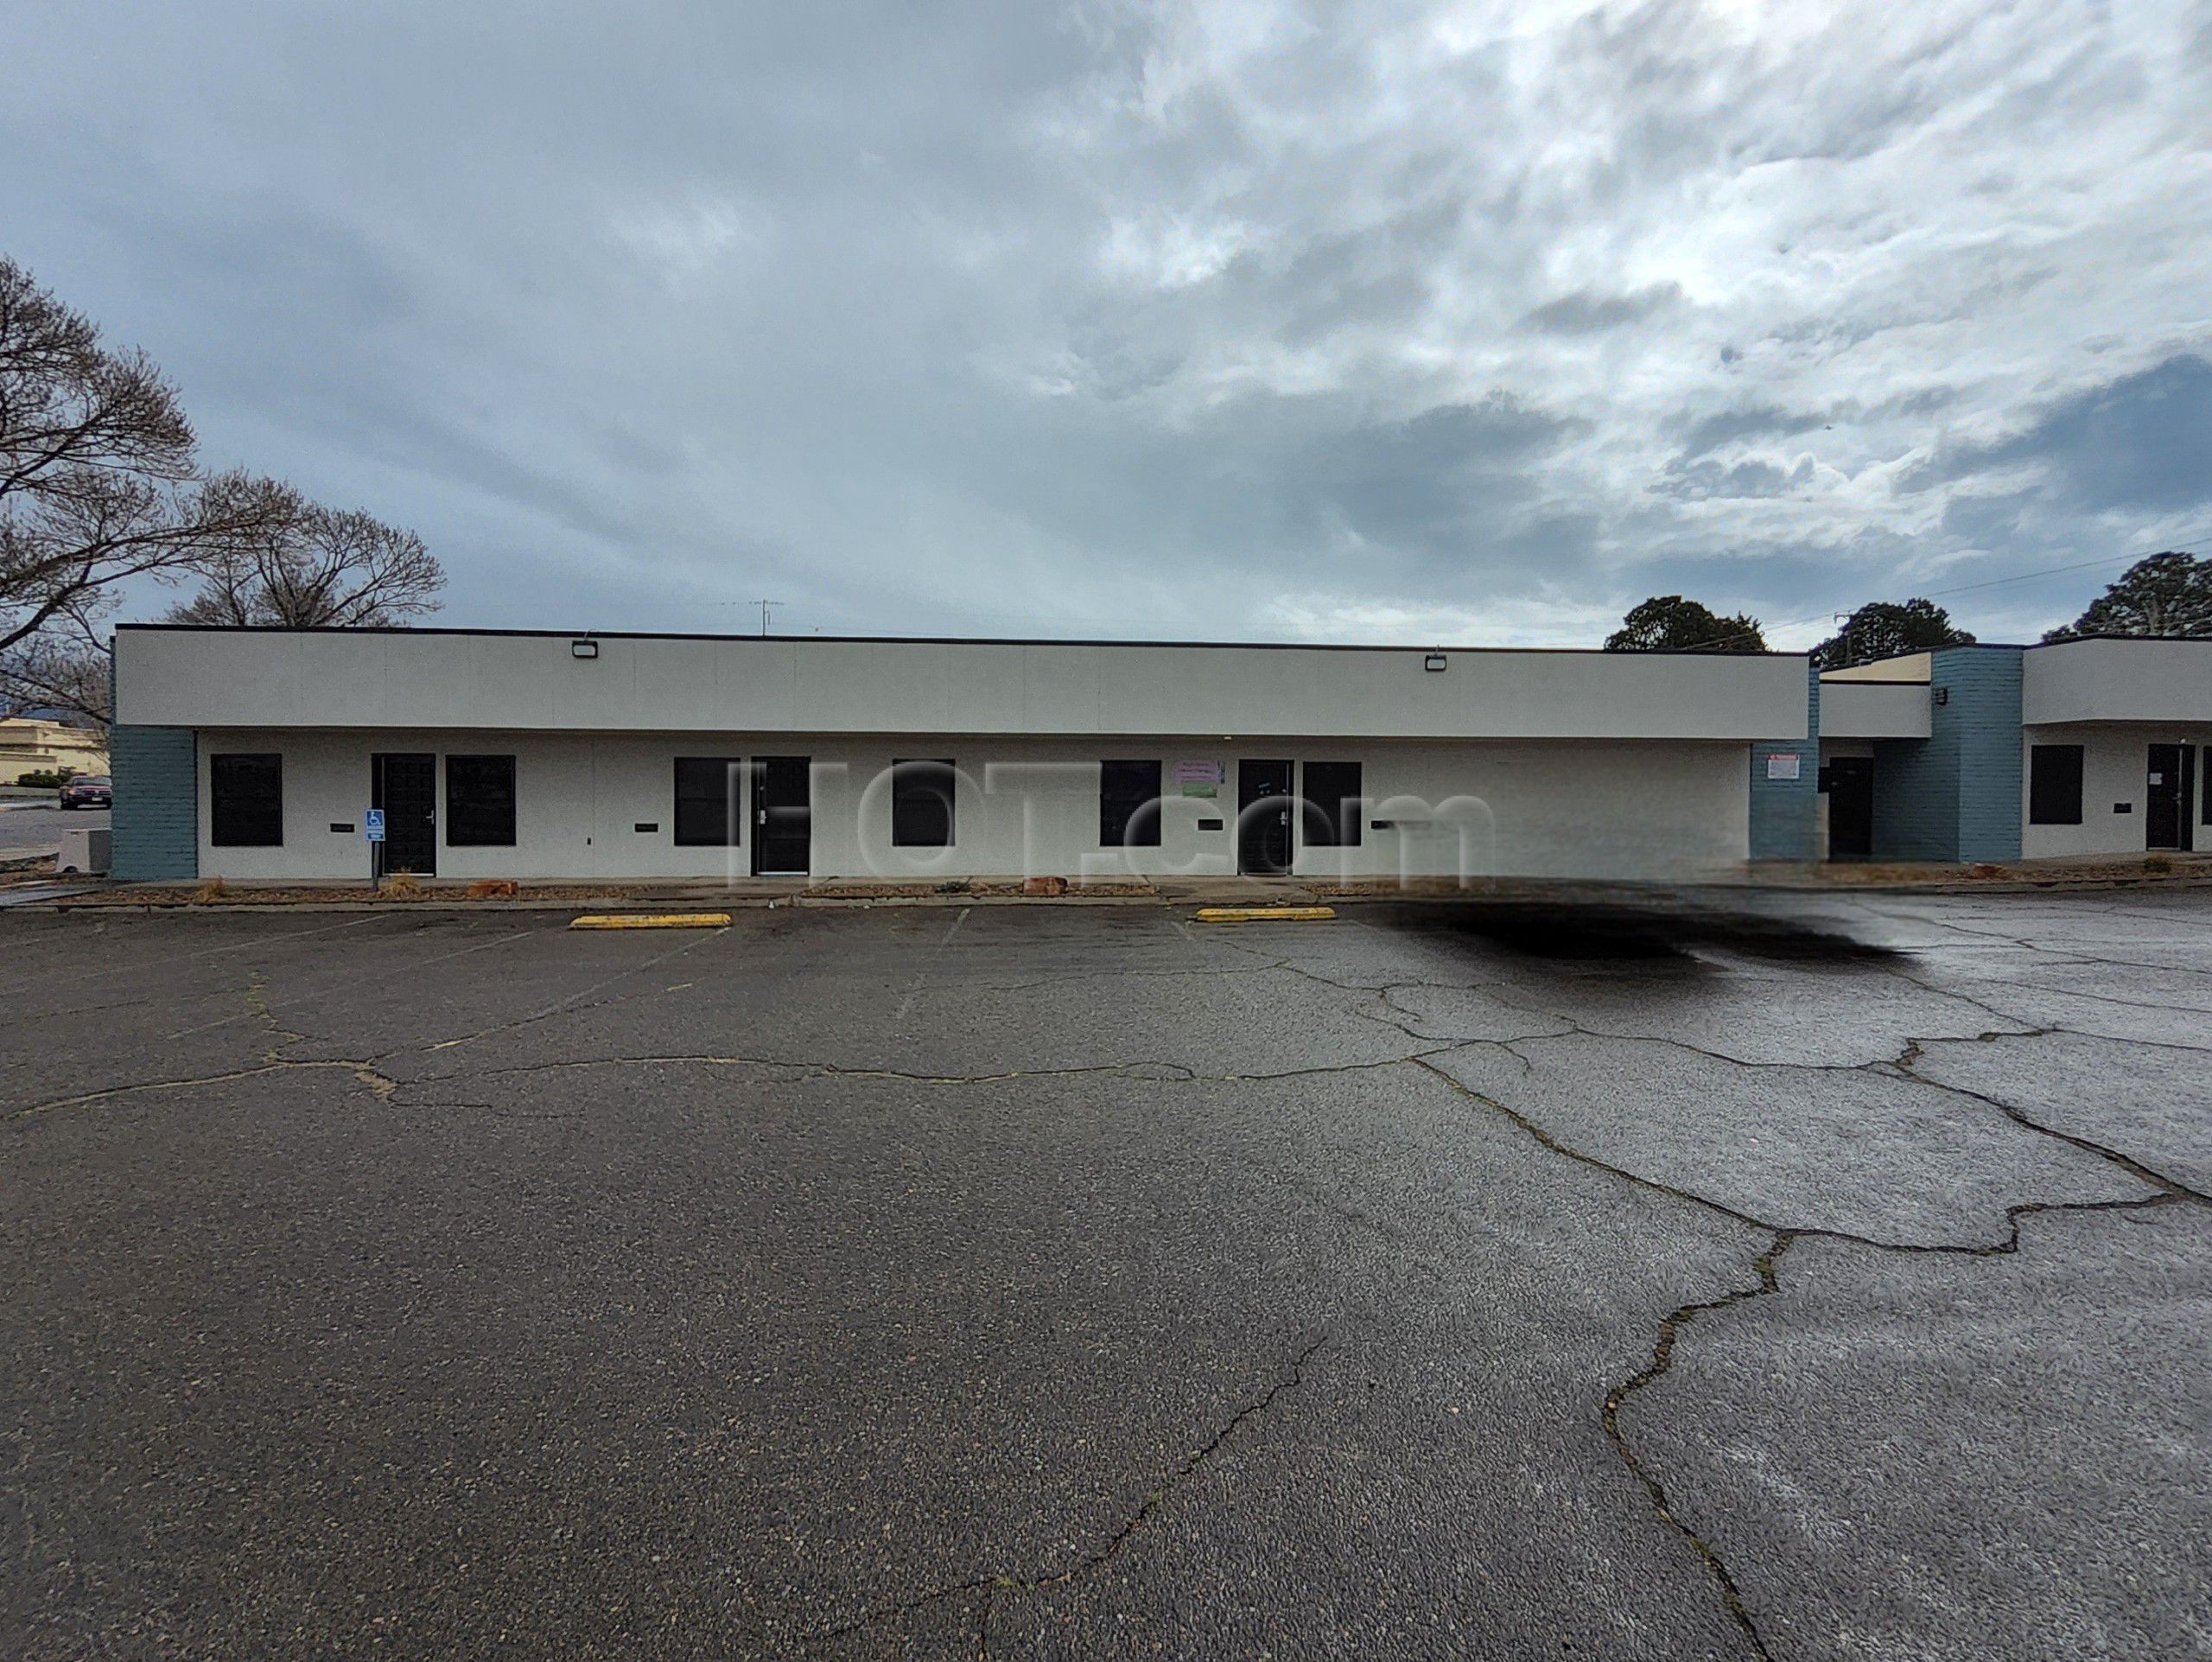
x,y
2023,577
1957,589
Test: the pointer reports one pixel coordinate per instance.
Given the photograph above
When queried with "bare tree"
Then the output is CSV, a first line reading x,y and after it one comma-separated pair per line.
x,y
309,567
99,485
99,488
55,671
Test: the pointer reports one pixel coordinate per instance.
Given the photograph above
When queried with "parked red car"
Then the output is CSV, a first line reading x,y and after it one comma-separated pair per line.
x,y
88,791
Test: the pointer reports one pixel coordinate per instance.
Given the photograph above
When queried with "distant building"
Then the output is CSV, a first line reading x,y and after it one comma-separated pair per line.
x,y
29,746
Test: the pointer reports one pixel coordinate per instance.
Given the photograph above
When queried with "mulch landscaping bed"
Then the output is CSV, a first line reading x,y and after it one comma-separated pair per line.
x,y
2135,868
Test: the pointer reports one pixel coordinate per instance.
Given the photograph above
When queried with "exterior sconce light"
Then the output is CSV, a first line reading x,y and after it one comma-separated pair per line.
x,y
1942,695
583,649
1433,661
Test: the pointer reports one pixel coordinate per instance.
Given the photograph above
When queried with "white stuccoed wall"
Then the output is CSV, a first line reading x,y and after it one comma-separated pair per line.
x,y
2077,681
1557,763
2115,768
429,680
1873,710
1561,808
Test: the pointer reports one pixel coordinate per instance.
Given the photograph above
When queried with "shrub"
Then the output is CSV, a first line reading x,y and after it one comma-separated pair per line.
x,y
46,778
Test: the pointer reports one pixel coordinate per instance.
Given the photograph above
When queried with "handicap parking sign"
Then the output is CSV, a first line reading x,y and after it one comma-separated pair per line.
x,y
373,825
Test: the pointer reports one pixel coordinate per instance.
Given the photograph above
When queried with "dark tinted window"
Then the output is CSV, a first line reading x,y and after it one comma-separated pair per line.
x,y
245,801
2054,784
479,802
1332,817
706,801
1128,805
921,805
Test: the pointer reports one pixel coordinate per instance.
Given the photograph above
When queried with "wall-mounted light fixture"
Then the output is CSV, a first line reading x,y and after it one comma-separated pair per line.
x,y
1942,695
583,649
1433,661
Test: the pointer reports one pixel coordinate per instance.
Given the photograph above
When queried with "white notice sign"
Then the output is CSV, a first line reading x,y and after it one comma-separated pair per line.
x,y
1782,764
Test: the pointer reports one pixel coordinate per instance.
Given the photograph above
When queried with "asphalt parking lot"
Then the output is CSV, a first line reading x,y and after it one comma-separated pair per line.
x,y
28,830
1827,1279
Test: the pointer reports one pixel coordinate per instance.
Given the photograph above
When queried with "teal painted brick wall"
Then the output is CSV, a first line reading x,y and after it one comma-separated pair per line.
x,y
1916,800
1955,795
1785,812
155,820
1984,708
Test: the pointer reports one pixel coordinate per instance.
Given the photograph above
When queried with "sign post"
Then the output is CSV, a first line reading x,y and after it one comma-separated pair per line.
x,y
372,828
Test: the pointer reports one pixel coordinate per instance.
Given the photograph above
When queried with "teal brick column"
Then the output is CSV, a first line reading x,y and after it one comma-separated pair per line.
x,y
1785,812
1981,717
1955,795
155,820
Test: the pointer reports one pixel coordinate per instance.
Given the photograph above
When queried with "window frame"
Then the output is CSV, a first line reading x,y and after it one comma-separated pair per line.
x,y
221,814
1342,823
1124,813
730,800
452,816
2039,788
909,795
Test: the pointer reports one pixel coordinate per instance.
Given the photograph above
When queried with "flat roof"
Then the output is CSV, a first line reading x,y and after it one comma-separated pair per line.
x,y
927,641
1913,667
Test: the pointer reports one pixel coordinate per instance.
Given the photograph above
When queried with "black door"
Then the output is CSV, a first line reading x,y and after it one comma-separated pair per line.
x,y
1851,807
783,816
1263,807
2167,790
406,788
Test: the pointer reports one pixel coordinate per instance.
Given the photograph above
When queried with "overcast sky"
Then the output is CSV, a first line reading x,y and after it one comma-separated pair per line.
x,y
1471,322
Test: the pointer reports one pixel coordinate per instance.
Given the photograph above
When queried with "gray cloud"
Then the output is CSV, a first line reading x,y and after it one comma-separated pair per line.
x,y
1754,421
1703,480
1586,312
1248,317
2143,442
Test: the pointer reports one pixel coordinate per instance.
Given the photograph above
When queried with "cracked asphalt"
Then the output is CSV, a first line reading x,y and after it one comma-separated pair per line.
x,y
1826,1278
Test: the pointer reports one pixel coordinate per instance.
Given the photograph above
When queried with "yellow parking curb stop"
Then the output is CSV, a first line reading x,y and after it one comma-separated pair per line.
x,y
651,920
1266,913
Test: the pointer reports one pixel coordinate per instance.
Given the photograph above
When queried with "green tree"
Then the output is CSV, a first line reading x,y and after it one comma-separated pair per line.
x,y
1667,623
1883,628
2167,594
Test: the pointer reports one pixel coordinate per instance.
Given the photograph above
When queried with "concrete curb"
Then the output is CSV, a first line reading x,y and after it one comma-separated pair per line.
x,y
1576,896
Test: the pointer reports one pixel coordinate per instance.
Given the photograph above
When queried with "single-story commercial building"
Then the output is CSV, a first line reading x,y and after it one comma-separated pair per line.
x,y
275,754
264,754
2086,747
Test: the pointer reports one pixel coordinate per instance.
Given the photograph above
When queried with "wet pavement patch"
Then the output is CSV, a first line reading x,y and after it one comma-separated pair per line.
x,y
1613,933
